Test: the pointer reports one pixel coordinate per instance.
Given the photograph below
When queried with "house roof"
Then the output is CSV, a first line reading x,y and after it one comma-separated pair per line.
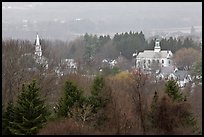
x,y
181,74
167,70
152,54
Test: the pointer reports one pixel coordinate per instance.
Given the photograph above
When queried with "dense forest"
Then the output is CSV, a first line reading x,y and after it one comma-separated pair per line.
x,y
115,101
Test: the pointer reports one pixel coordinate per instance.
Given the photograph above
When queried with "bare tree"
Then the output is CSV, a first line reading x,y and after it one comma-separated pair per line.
x,y
138,98
13,72
185,57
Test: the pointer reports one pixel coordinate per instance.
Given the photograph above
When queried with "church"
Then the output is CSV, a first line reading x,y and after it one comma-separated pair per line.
x,y
147,58
39,58
38,49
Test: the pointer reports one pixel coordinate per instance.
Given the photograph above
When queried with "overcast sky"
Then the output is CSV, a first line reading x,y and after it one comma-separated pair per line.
x,y
103,16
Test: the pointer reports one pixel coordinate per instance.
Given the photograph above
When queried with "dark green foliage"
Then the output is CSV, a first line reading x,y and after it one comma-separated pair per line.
x,y
197,69
172,89
97,85
110,71
96,99
190,121
8,116
71,96
151,117
89,53
170,113
154,102
128,43
173,44
93,45
31,113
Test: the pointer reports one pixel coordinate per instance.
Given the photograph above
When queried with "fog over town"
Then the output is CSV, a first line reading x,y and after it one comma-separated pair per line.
x,y
96,68
68,20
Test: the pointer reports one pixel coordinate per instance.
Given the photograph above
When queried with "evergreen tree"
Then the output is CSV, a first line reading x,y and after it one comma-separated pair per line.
x,y
186,117
154,102
31,113
197,69
153,110
97,85
100,96
8,116
172,89
96,99
71,96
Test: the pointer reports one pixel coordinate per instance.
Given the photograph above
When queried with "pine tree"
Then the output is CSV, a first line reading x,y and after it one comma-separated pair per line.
x,y
97,85
71,96
96,98
188,119
172,89
154,102
8,116
154,106
31,113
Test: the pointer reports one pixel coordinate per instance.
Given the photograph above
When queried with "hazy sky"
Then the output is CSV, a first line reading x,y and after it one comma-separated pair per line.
x,y
99,17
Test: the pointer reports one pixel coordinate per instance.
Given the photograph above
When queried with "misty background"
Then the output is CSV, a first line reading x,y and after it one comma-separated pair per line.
x,y
68,20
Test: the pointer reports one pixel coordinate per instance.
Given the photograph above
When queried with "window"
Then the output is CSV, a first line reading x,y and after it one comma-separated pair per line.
x,y
160,78
162,61
144,61
169,62
157,61
149,61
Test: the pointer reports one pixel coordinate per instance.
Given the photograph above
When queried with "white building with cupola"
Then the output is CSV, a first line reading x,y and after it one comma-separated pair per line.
x,y
145,60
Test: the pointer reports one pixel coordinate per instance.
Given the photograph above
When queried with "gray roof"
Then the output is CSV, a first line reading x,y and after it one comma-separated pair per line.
x,y
181,74
152,54
167,70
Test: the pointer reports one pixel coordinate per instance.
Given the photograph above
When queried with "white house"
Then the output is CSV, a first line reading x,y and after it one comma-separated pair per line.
x,y
145,59
109,62
66,66
181,76
69,63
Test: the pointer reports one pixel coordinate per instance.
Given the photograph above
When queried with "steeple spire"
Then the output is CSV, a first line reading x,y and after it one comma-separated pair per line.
x,y
38,50
37,40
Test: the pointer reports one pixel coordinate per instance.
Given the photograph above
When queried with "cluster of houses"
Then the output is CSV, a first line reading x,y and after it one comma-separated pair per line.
x,y
165,69
65,65
109,62
181,76
159,59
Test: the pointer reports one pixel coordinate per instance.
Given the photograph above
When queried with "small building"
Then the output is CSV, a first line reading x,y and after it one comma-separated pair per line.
x,y
66,66
109,63
181,76
69,63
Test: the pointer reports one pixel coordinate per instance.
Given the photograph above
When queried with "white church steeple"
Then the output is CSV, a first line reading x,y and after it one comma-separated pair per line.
x,y
157,47
37,40
38,50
